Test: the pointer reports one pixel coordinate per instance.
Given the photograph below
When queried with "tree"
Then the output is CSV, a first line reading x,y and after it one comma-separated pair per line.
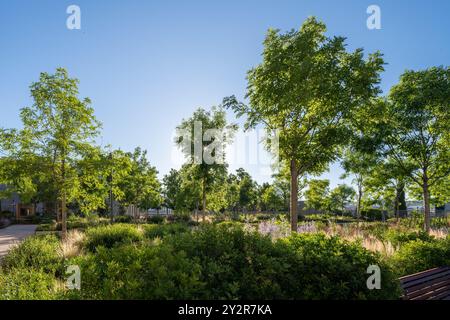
x,y
141,186
417,131
202,139
271,199
317,195
360,164
56,129
340,197
304,90
171,188
101,174
388,182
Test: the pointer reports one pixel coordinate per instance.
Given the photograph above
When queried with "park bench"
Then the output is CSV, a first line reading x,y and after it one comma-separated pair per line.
x,y
431,284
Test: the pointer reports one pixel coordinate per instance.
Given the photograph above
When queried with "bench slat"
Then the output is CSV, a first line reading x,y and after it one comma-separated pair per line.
x,y
433,284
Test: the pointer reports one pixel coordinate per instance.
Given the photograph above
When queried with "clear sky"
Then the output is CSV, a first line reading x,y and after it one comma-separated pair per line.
x,y
148,64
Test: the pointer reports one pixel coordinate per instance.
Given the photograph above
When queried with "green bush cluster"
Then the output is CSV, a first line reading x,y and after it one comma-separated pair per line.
x,y
111,235
137,272
30,270
27,284
38,252
240,265
156,219
153,231
398,238
419,255
123,219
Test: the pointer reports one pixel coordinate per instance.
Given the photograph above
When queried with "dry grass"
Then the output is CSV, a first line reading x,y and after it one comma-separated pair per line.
x,y
441,233
71,246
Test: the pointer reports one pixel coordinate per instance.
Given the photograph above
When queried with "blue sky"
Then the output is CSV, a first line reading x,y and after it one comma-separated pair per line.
x,y
148,64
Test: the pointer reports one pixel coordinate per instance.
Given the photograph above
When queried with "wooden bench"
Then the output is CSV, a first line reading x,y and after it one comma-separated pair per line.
x,y
431,284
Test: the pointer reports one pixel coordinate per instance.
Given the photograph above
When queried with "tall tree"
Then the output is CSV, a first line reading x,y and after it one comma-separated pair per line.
x,y
56,128
304,89
418,128
360,165
202,139
141,186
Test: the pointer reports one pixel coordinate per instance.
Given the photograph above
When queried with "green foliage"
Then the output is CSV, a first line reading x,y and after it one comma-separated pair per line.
x,y
138,272
36,252
330,268
123,219
416,256
111,235
398,238
372,214
160,231
205,158
307,86
317,195
156,219
27,284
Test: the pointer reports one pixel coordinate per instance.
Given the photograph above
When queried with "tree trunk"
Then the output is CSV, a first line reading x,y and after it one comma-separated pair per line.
x,y
358,208
63,201
204,200
294,196
426,204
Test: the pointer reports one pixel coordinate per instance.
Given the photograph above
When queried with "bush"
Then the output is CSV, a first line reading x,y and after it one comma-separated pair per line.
x,y
138,272
331,268
36,252
399,238
27,284
373,214
111,235
158,219
123,219
241,265
419,255
179,217
160,231
234,264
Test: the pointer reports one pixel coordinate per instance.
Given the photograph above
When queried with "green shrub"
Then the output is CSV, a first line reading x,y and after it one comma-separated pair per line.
x,y
123,219
138,272
47,227
241,265
372,214
36,252
158,219
418,255
331,268
162,230
264,217
27,284
179,217
398,238
111,235
234,264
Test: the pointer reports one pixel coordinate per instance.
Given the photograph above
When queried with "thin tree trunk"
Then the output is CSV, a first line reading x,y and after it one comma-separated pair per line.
x,y
204,200
294,196
358,209
63,201
426,204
